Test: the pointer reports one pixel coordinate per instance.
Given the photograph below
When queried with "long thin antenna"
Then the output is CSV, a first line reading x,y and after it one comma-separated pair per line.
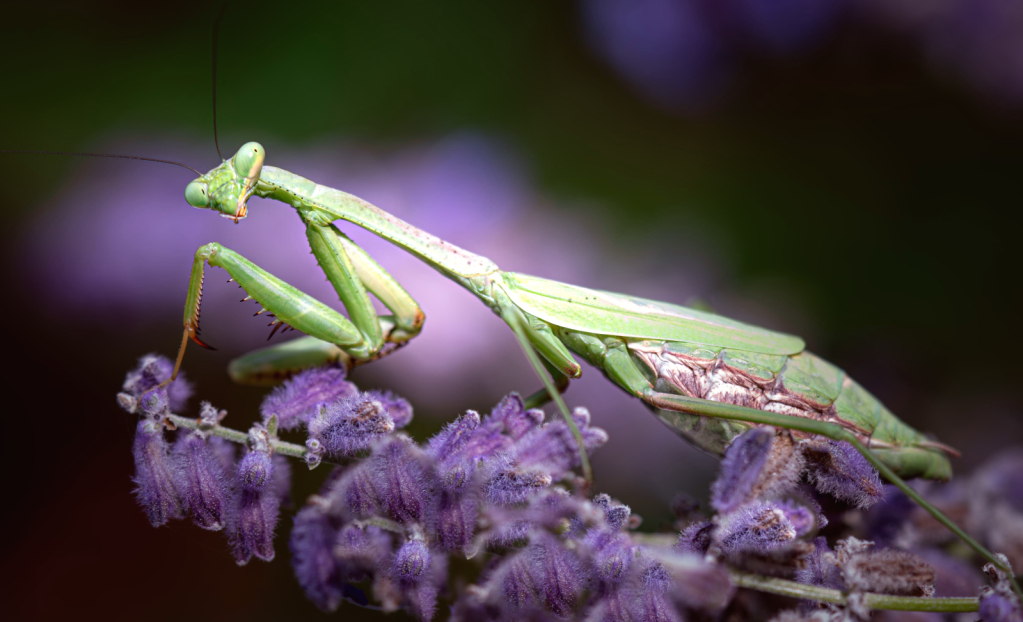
x,y
216,34
103,155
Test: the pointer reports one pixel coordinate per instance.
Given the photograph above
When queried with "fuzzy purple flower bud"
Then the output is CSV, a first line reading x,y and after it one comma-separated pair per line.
x,y
653,603
151,370
403,481
616,514
695,538
511,413
397,408
557,574
888,571
511,486
612,557
299,399
349,425
756,528
312,542
361,551
354,494
411,561
203,481
255,471
456,520
252,531
760,463
837,469
553,448
155,402
155,474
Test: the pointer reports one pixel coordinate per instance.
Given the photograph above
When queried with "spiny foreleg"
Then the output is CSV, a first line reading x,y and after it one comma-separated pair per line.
x,y
288,305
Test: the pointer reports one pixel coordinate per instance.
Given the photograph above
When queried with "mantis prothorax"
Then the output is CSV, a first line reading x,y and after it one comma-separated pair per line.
x,y
707,377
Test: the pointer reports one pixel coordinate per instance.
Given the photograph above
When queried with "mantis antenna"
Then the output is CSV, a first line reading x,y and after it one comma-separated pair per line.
x,y
216,34
102,155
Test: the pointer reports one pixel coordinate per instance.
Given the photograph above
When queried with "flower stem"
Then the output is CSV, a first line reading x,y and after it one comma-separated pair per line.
x,y
235,436
785,587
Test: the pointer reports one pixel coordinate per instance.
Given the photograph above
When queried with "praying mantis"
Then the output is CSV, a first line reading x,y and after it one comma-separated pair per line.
x,y
707,377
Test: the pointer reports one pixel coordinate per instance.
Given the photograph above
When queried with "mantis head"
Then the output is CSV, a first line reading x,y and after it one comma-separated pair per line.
x,y
228,187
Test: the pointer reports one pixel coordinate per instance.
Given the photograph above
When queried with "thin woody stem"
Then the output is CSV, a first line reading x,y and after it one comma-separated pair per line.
x,y
235,436
785,587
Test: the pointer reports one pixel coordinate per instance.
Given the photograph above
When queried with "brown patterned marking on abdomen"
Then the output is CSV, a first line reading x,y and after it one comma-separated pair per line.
x,y
711,379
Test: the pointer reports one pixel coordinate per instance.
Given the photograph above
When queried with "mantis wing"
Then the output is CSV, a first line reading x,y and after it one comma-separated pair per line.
x,y
606,313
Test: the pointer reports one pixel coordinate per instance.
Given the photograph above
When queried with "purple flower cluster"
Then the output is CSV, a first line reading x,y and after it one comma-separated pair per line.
x,y
764,519
198,475
489,496
395,517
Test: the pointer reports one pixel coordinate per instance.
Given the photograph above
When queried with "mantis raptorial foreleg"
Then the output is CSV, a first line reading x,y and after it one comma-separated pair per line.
x,y
359,339
345,263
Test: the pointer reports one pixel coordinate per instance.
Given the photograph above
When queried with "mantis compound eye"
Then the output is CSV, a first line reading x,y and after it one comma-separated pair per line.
x,y
197,194
249,160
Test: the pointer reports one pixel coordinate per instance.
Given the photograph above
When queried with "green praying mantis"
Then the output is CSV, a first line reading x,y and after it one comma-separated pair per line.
x,y
707,377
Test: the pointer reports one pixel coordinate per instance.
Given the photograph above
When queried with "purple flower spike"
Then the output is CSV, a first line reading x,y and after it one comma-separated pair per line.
x,y
153,369
255,471
756,528
298,399
203,482
411,561
398,409
759,463
350,425
312,542
155,474
402,481
837,469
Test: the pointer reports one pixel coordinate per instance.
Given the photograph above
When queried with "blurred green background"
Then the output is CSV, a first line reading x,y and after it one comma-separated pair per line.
x,y
852,193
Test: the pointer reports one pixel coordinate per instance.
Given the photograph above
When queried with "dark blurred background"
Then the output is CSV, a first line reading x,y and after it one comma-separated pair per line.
x,y
847,170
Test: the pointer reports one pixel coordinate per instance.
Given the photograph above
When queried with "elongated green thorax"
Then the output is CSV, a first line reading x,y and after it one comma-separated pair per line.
x,y
299,192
